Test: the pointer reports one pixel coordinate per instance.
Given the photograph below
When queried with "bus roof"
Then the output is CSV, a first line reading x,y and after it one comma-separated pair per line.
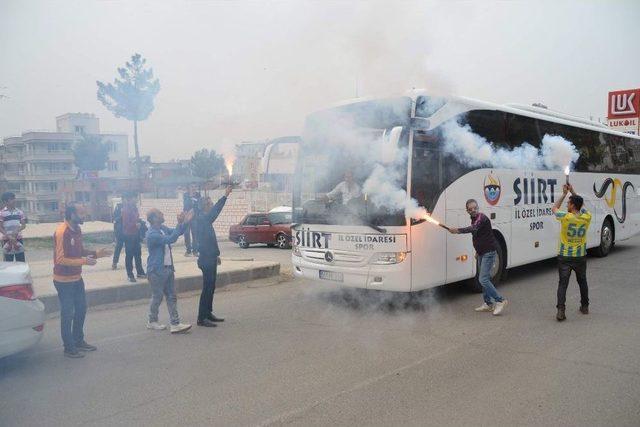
x,y
465,104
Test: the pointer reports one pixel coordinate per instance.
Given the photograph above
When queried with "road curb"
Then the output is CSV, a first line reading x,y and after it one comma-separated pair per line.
x,y
136,291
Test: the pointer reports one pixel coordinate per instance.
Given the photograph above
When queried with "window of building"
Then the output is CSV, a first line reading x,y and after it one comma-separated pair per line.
x,y
14,186
112,165
79,129
112,146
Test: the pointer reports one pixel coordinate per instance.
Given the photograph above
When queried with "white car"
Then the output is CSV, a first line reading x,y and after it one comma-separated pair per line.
x,y
21,313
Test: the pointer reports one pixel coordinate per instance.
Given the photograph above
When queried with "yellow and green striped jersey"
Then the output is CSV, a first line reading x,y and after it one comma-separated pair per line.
x,y
573,233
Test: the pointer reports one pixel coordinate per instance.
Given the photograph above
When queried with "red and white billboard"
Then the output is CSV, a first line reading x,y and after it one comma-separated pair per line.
x,y
624,104
623,112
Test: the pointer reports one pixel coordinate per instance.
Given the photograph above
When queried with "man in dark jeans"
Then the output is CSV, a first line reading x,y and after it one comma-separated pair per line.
x,y
572,249
131,226
118,235
484,242
190,201
209,258
69,257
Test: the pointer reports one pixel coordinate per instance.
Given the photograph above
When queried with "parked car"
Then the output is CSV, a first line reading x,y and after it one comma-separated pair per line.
x,y
21,313
273,228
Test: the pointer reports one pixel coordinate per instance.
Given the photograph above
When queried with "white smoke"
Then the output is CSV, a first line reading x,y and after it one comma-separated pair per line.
x,y
384,185
475,150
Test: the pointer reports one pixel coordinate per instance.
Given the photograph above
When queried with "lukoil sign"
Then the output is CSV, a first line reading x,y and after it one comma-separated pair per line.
x,y
624,104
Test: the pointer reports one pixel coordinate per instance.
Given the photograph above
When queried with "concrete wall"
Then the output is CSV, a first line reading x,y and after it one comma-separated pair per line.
x,y
238,205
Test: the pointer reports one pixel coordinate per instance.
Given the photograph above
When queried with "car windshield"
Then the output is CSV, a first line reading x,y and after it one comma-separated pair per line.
x,y
351,168
280,217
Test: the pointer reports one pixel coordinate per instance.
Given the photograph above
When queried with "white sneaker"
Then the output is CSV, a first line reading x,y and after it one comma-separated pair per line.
x,y
179,328
500,307
484,307
156,326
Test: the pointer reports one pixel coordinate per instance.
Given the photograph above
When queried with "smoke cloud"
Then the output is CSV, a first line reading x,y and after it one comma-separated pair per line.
x,y
474,150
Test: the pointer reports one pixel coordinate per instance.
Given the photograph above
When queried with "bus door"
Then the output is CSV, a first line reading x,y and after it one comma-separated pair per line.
x,y
461,263
428,241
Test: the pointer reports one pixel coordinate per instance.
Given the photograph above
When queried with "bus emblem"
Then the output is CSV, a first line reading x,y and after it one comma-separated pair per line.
x,y
492,189
328,256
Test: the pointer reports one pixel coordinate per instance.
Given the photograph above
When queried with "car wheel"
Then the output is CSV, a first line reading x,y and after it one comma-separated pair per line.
x,y
242,242
606,239
282,241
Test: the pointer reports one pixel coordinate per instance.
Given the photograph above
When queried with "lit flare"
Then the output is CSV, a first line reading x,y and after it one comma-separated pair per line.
x,y
428,218
567,170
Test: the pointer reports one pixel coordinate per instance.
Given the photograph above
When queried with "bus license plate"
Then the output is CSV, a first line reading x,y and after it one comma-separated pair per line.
x,y
331,275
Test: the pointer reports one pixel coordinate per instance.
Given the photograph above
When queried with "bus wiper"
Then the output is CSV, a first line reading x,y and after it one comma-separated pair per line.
x,y
378,229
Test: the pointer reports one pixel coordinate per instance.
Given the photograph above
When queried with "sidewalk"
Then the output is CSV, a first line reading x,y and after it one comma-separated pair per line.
x,y
46,229
104,285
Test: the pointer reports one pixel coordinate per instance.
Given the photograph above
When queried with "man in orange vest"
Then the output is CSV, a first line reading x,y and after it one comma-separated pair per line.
x,y
69,255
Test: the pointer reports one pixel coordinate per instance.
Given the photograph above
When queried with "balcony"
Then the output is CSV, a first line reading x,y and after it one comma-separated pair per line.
x,y
42,195
48,156
50,175
13,175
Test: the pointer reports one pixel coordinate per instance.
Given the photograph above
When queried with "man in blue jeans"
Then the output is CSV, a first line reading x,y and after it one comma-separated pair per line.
x,y
484,242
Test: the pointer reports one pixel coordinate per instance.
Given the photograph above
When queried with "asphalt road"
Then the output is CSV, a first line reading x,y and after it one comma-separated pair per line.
x,y
302,353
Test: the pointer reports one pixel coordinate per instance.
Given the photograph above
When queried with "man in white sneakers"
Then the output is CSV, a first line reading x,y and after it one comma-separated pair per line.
x,y
160,270
484,242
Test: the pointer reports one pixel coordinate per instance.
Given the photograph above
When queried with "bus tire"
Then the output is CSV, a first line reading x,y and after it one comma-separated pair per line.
x,y
498,271
607,239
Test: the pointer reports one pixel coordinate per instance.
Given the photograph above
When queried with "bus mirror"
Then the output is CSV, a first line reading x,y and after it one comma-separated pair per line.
x,y
392,137
420,123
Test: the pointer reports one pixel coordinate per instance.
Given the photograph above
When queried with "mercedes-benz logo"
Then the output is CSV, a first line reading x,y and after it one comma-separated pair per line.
x,y
328,256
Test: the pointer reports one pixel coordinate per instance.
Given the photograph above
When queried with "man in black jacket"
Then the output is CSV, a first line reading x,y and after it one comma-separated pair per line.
x,y
208,257
118,234
190,201
484,242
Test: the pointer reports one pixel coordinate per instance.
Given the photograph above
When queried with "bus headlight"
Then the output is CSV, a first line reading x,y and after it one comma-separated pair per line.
x,y
296,251
388,257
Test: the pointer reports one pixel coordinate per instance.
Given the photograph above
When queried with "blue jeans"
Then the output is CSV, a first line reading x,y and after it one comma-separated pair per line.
x,y
489,292
162,284
73,309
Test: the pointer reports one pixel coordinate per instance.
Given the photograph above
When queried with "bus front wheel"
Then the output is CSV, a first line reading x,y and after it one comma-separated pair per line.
x,y
497,271
607,239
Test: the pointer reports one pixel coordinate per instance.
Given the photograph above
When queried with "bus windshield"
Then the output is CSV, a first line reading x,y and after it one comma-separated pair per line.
x,y
351,170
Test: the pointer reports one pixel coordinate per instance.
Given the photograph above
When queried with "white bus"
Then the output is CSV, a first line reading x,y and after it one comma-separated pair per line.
x,y
358,244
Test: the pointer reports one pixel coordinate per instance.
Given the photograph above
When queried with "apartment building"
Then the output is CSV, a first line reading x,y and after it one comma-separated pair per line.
x,y
38,164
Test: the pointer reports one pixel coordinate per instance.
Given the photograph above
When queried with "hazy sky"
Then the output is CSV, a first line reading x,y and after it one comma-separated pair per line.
x,y
234,71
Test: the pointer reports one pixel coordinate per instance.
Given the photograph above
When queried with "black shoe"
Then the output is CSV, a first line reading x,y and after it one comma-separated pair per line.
x,y
142,276
560,316
83,346
132,279
114,266
73,354
206,323
584,309
215,319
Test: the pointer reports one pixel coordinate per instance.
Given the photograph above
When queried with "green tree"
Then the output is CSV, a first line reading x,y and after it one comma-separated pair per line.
x,y
91,154
131,96
207,164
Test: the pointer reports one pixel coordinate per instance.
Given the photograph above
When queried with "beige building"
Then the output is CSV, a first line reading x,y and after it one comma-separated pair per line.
x,y
36,164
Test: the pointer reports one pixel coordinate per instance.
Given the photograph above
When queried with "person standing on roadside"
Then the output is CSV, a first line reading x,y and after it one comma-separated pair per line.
x,y
118,234
189,202
484,242
12,222
132,240
161,270
69,255
209,257
572,248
